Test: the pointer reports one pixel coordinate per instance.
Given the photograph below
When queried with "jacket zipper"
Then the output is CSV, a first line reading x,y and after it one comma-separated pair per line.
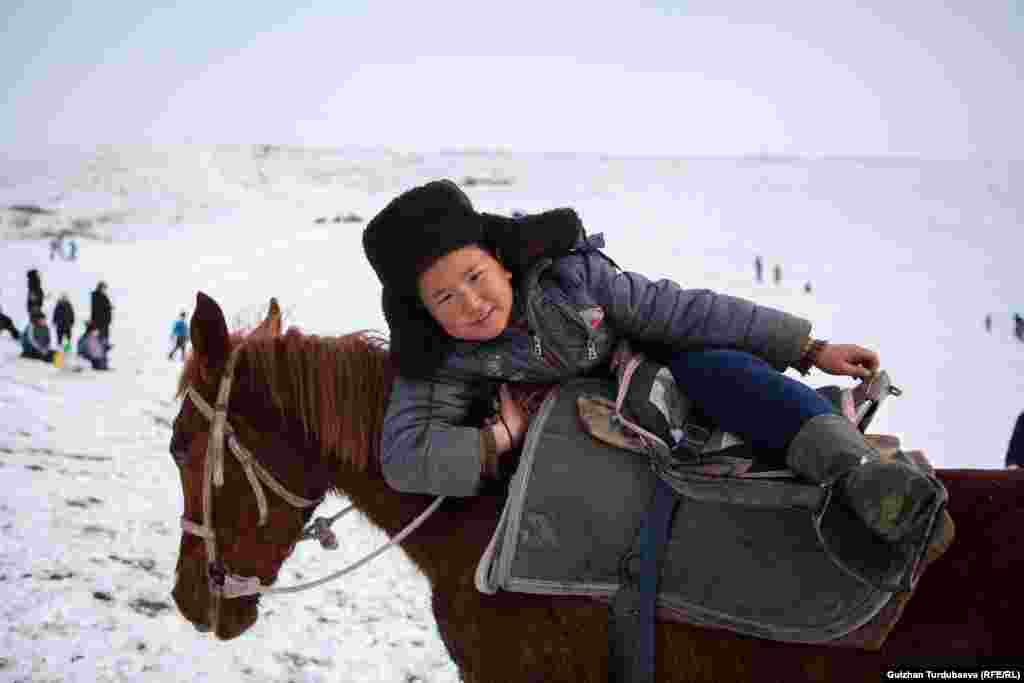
x,y
575,318
538,350
547,356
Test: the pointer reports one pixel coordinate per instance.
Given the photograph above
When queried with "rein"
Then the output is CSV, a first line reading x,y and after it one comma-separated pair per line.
x,y
223,584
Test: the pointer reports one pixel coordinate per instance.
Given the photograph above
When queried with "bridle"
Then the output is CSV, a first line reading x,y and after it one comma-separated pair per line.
x,y
225,585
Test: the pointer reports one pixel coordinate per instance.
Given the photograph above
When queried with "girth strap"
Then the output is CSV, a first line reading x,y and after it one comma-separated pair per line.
x,y
631,617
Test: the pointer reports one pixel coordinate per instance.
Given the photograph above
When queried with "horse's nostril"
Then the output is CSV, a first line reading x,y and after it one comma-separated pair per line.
x,y
202,628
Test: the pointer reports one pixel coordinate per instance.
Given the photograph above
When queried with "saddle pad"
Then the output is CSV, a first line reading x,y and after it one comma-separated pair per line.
x,y
574,507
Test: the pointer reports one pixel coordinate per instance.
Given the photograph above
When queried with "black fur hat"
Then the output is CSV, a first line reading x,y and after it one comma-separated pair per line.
x,y
417,228
425,223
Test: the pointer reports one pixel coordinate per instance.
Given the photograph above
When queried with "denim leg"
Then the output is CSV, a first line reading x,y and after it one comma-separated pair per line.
x,y
744,395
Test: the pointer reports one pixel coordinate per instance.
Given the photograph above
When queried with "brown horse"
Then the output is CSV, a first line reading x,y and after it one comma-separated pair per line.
x,y
310,410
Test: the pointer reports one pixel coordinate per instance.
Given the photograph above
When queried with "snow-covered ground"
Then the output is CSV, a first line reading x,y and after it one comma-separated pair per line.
x,y
905,257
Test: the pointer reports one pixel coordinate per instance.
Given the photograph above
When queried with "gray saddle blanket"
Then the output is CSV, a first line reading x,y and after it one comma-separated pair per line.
x,y
743,554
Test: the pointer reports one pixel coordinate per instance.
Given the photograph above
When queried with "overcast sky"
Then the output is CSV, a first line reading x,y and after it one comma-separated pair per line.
x,y
909,78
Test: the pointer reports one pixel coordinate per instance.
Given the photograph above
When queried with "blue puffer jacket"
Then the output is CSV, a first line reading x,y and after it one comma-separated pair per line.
x,y
568,315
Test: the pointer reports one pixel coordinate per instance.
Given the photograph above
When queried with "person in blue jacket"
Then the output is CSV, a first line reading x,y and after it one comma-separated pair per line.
x,y
179,335
474,301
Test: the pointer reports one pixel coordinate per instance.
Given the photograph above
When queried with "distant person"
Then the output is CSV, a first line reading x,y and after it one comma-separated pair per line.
x,y
91,347
179,334
8,324
758,269
72,250
1018,326
35,293
56,247
778,274
988,322
101,312
807,287
63,319
35,340
1015,453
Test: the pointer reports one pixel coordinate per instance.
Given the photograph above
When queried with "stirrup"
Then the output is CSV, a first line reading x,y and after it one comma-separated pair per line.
x,y
860,404
869,395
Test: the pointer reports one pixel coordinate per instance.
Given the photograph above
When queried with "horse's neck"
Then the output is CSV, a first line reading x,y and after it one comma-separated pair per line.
x,y
386,509
450,542
389,511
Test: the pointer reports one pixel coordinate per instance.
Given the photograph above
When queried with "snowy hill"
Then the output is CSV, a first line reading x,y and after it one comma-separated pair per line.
x,y
905,257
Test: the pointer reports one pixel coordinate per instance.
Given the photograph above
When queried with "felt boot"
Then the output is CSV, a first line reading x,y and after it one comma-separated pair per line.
x,y
890,495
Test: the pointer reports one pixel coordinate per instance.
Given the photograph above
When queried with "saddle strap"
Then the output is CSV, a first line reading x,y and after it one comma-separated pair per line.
x,y
631,613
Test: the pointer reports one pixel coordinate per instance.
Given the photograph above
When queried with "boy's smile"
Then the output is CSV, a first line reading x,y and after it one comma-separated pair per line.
x,y
469,293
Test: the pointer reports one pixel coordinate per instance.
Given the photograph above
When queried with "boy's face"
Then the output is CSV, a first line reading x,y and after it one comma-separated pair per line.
x,y
469,293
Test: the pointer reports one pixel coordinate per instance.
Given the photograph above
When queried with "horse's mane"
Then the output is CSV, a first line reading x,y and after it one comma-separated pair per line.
x,y
336,387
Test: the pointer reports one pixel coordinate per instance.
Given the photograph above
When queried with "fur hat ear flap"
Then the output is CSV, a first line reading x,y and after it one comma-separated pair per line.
x,y
522,241
417,343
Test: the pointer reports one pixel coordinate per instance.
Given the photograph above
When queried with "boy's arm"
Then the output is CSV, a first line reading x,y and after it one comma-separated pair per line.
x,y
425,446
685,319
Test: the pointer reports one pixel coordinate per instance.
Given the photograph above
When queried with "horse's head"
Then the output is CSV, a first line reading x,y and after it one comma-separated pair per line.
x,y
231,536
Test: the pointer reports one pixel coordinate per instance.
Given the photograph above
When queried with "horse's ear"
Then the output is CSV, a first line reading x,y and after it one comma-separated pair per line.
x,y
209,334
271,326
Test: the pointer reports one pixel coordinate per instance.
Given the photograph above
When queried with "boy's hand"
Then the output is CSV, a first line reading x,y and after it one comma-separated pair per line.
x,y
513,416
847,359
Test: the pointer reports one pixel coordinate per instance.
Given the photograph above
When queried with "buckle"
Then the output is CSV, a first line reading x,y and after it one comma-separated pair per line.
x,y
690,443
216,573
695,436
320,529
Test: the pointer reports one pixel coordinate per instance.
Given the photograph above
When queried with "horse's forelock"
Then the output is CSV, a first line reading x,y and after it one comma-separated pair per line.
x,y
190,371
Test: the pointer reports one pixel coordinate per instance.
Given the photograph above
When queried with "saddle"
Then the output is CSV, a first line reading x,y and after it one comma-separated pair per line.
x,y
744,553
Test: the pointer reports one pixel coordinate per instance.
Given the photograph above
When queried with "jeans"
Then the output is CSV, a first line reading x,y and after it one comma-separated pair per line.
x,y
744,395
